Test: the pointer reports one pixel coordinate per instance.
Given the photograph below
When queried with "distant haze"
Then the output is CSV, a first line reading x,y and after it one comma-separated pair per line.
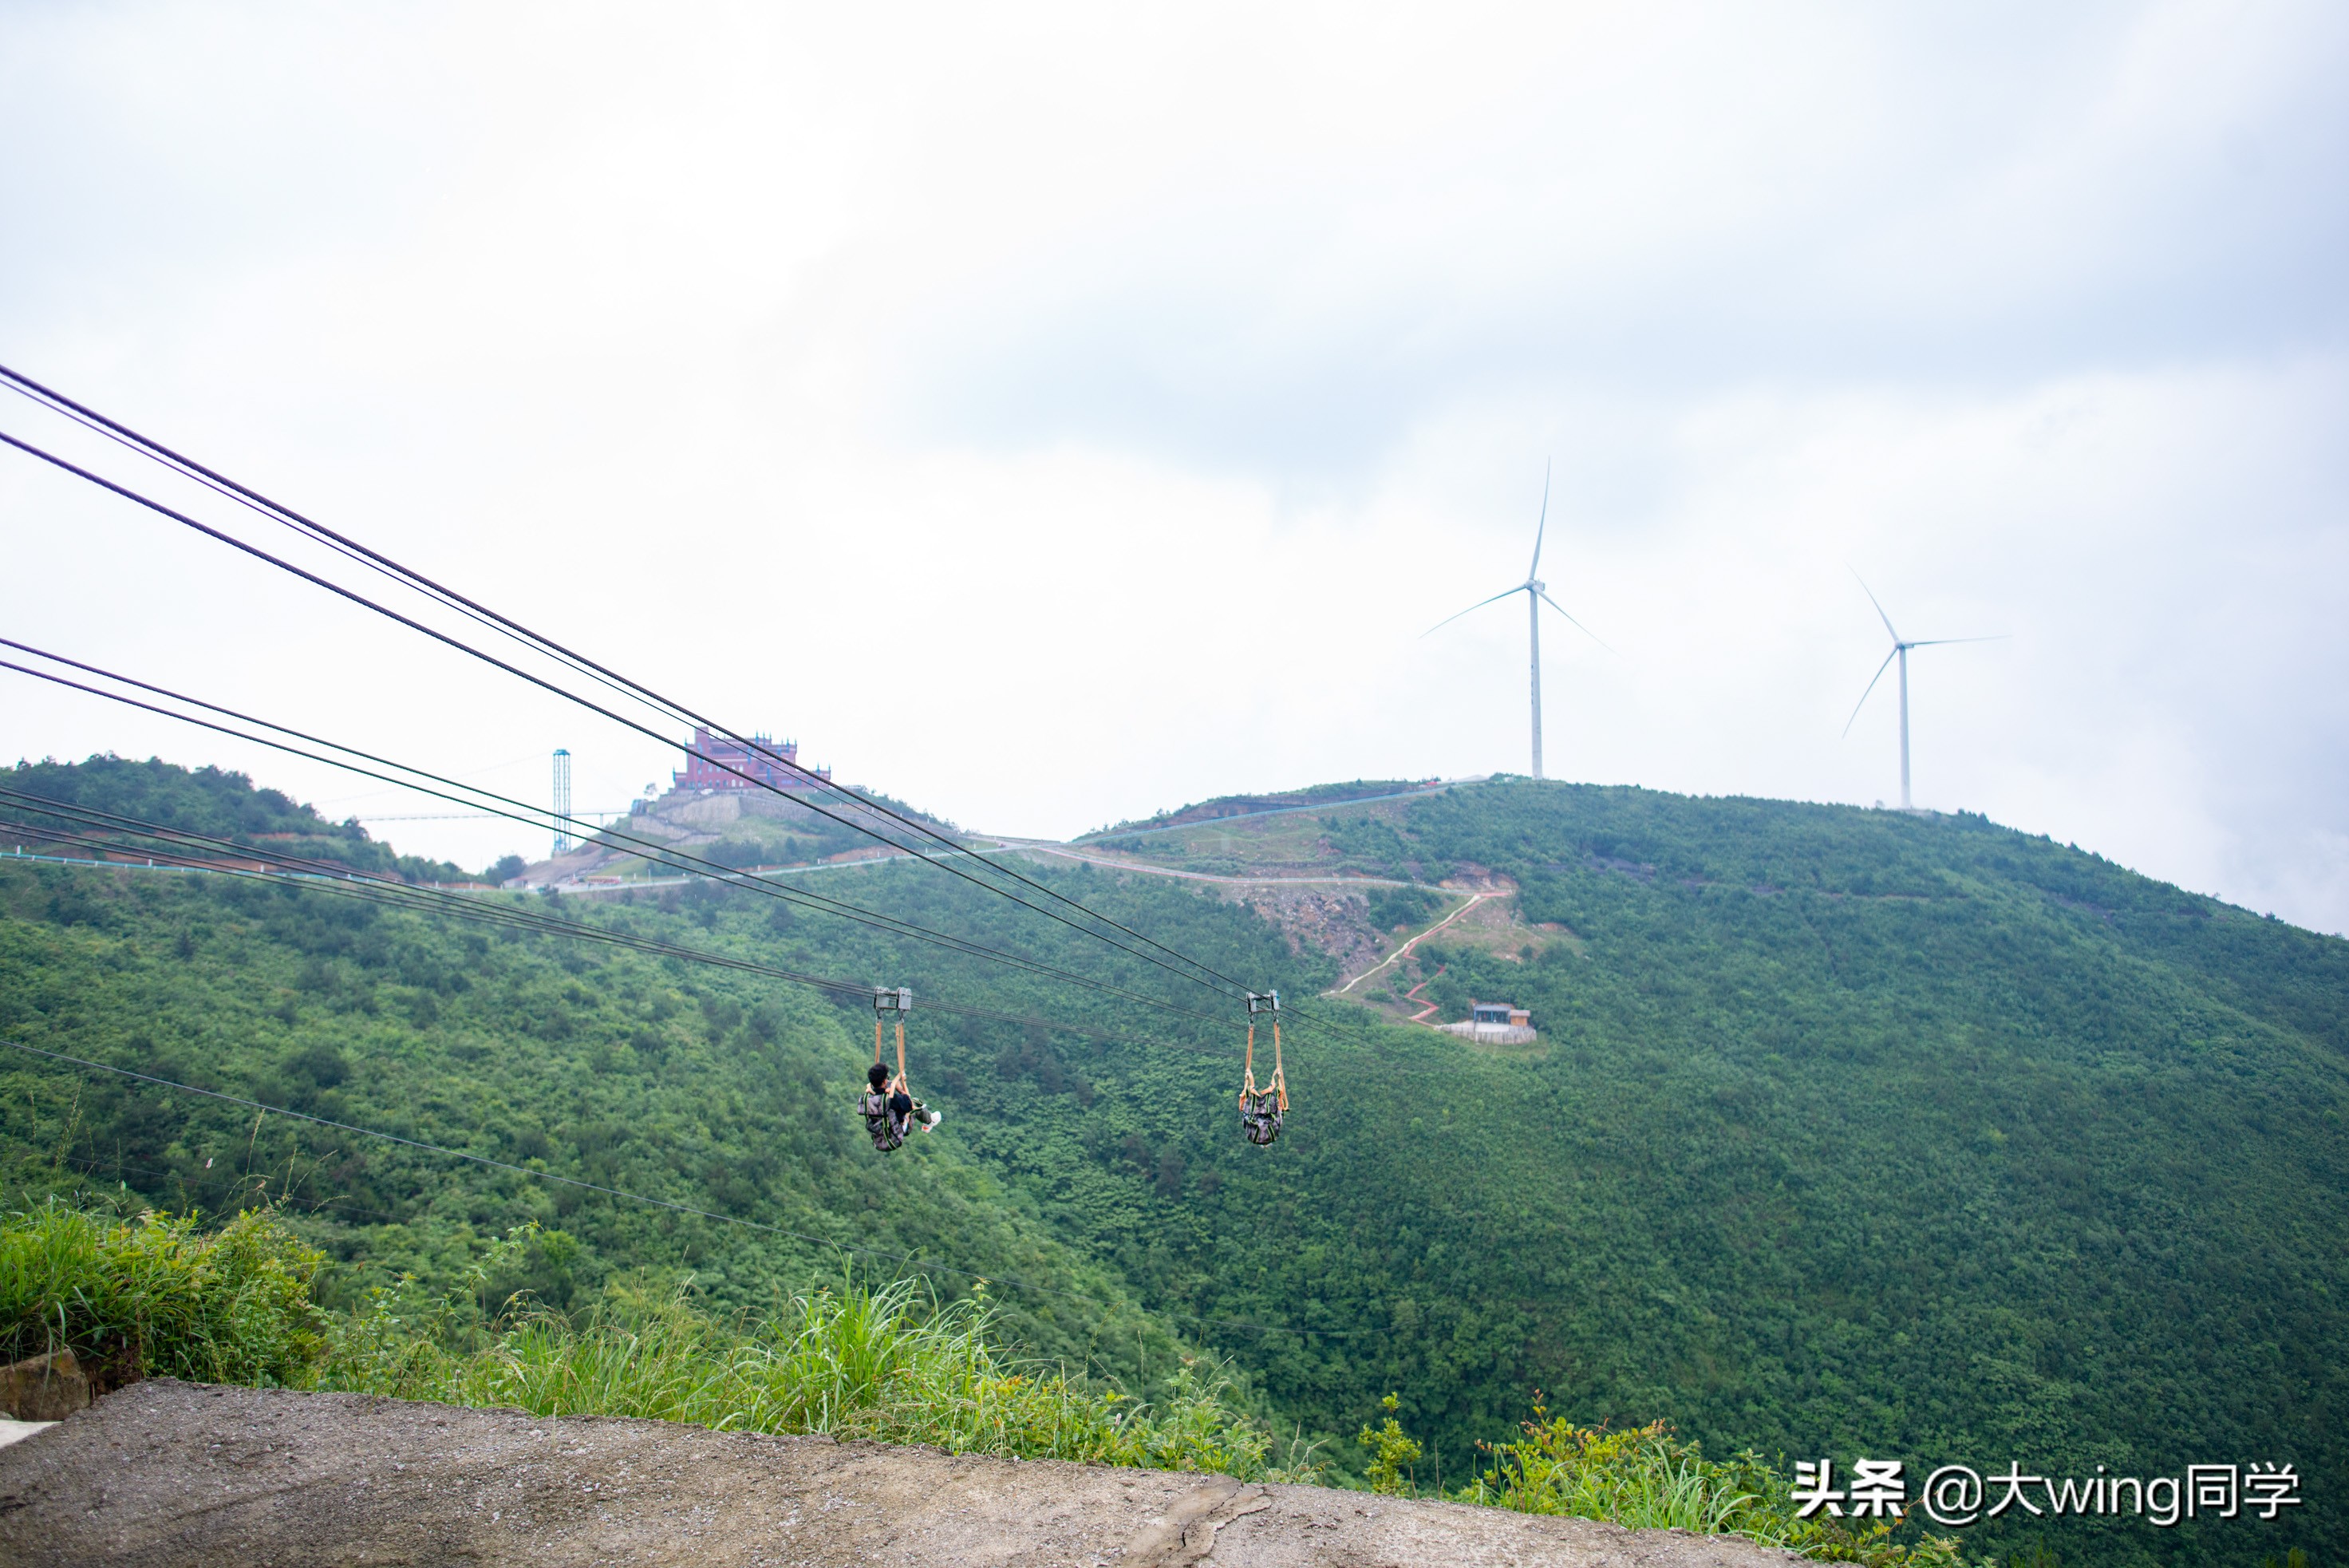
x,y
1055,416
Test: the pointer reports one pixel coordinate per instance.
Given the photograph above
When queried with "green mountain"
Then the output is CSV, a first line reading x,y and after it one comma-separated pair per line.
x,y
1844,1133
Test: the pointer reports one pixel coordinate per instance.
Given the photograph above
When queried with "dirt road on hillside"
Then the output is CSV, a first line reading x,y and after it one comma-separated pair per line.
x,y
171,1473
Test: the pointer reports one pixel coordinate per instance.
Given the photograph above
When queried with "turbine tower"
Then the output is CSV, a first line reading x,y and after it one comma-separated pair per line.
x,y
562,801
1536,594
1900,647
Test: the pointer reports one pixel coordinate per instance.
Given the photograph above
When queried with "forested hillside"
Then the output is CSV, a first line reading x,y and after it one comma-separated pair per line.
x,y
219,803
1854,1132
690,1085
1849,1134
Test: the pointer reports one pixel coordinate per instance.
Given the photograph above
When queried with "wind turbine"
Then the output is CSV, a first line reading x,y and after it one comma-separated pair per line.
x,y
1536,594
1900,647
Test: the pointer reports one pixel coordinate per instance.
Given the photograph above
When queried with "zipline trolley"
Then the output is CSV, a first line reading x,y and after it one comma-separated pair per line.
x,y
1263,1110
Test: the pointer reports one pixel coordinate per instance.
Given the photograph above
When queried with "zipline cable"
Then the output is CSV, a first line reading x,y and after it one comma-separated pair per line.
x,y
393,895
260,1184
352,549
545,685
676,859
690,865
334,878
545,644
665,855
467,907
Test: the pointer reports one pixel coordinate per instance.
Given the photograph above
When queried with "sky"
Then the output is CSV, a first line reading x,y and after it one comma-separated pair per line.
x,y
1049,415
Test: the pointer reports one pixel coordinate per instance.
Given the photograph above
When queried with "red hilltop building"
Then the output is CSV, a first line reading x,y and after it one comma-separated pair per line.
x,y
706,764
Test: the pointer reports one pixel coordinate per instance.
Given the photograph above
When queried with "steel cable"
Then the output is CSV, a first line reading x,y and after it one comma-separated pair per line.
x,y
667,855
391,568
331,878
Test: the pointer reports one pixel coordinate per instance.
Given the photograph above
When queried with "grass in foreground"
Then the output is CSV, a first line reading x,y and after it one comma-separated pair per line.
x,y
1649,1480
854,1361
886,1363
232,1305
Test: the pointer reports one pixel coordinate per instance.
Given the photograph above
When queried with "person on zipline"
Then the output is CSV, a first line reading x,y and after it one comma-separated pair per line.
x,y
890,1113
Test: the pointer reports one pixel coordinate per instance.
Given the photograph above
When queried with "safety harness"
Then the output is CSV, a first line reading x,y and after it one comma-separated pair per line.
x,y
1262,1111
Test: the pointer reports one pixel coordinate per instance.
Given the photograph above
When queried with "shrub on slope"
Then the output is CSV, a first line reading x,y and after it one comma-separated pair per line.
x,y
155,1295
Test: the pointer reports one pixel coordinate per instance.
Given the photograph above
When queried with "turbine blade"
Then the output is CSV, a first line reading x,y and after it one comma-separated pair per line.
x,y
1534,570
1871,600
1944,641
1480,603
1872,679
1576,624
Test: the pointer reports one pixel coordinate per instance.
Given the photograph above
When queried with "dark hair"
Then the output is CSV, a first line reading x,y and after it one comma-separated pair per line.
x,y
878,1075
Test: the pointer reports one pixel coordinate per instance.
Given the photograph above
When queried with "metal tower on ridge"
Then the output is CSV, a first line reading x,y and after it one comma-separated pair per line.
x,y
1536,594
1533,616
562,801
1900,647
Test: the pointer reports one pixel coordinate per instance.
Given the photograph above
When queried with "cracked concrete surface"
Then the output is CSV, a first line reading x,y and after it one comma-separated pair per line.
x,y
170,1472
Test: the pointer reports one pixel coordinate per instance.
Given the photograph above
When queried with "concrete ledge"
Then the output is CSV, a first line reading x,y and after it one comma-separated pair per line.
x,y
166,1472
14,1431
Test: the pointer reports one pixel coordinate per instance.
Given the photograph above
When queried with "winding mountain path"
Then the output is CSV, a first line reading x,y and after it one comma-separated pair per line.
x,y
1425,1006
1474,900
1047,846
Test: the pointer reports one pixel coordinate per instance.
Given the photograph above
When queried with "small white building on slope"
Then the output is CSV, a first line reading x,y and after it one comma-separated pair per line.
x,y
1494,1024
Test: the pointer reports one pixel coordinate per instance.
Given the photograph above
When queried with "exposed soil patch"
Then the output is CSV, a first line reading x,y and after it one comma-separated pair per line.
x,y
172,1473
1498,927
1327,919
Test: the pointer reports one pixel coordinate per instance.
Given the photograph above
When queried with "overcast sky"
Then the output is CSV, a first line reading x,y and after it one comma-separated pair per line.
x,y
1051,416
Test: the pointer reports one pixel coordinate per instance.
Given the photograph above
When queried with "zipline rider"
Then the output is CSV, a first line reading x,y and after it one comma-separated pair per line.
x,y
890,1111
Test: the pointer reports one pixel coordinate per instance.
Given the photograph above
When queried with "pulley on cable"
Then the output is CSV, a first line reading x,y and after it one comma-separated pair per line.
x,y
1262,1111
890,1111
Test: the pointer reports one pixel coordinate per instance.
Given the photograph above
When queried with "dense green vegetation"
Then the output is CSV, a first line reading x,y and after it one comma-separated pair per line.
x,y
1850,1133
628,1072
1888,1135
